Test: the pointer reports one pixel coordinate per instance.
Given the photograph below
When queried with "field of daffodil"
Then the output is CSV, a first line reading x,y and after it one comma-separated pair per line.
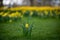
x,y
15,13
30,23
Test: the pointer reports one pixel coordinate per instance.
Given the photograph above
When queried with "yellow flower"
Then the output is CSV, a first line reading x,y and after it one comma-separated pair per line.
x,y
31,13
51,13
1,13
56,12
18,14
21,16
5,14
9,15
12,15
24,11
26,25
46,12
10,20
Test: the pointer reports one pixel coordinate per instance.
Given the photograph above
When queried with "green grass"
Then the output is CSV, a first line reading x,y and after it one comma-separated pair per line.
x,y
44,29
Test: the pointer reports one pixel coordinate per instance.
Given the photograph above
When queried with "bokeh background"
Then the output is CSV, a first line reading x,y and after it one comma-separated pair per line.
x,y
30,2
45,19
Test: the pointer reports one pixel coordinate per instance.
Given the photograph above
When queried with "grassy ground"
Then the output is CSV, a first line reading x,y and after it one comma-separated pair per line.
x,y
44,29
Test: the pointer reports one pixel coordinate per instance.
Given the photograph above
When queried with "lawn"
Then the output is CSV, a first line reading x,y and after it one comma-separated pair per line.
x,y
43,29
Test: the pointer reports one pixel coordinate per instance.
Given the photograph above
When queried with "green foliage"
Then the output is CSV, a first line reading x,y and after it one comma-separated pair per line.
x,y
26,13
27,30
43,29
35,13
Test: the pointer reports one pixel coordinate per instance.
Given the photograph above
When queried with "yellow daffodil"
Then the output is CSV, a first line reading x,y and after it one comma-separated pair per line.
x,y
21,16
17,14
24,11
31,13
51,13
46,12
10,20
12,15
5,14
26,25
56,12
1,13
9,15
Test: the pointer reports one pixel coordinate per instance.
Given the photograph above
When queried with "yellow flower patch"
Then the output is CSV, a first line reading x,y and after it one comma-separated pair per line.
x,y
1,13
5,14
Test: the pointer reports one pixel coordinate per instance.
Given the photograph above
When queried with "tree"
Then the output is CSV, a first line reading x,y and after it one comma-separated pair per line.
x,y
1,4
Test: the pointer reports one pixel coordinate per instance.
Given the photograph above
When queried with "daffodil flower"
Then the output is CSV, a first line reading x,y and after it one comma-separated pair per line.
x,y
31,13
26,25
27,29
5,14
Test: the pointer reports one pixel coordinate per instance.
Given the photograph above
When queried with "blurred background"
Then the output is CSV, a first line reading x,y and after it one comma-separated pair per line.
x,y
45,19
30,2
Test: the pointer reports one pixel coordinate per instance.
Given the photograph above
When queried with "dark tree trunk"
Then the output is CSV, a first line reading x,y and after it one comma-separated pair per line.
x,y
31,1
1,3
